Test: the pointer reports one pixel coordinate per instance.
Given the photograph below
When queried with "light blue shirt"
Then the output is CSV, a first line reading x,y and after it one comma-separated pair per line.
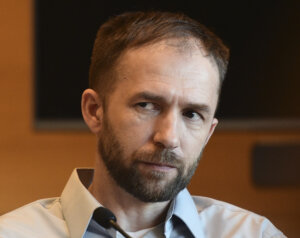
x,y
188,216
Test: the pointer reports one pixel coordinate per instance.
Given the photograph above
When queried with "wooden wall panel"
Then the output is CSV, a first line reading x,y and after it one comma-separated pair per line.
x,y
36,164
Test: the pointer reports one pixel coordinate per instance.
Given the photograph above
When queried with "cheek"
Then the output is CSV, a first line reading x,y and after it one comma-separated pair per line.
x,y
193,143
193,152
133,133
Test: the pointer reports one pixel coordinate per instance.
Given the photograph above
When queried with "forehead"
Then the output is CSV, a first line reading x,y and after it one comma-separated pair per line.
x,y
170,67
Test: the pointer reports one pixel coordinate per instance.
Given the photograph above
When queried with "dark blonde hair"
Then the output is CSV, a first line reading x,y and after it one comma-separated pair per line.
x,y
136,29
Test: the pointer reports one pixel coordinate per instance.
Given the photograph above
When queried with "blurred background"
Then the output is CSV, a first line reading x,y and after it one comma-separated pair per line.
x,y
252,161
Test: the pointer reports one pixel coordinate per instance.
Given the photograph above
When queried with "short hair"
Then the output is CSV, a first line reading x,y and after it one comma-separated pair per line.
x,y
136,29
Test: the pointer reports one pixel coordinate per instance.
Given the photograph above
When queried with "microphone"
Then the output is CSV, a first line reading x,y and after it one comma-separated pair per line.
x,y
107,219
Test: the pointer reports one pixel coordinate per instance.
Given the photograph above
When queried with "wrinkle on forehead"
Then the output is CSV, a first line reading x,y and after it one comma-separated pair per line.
x,y
189,46
183,51
186,45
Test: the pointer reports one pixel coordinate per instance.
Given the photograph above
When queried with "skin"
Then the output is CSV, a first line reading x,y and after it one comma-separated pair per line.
x,y
165,97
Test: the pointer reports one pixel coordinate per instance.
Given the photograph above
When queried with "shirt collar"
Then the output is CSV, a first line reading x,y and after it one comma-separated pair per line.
x,y
78,206
77,203
184,208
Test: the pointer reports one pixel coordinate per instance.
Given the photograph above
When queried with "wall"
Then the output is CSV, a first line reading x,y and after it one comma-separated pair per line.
x,y
36,164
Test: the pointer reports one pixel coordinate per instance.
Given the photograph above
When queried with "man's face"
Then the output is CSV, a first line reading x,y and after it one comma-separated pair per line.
x,y
158,119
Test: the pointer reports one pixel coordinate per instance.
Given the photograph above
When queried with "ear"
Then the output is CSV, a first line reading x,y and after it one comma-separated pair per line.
x,y
92,110
211,129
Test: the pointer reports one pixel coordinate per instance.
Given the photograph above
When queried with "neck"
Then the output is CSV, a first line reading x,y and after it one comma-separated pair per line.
x,y
132,214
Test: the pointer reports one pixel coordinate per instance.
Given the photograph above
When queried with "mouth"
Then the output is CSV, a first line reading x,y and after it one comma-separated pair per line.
x,y
162,167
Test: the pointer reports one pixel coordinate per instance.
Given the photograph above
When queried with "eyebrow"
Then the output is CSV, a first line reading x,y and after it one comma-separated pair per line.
x,y
199,107
149,96
154,97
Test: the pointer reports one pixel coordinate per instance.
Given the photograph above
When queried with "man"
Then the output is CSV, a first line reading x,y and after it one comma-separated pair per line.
x,y
155,80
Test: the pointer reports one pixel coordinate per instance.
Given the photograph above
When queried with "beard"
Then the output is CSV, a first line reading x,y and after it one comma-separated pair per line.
x,y
149,186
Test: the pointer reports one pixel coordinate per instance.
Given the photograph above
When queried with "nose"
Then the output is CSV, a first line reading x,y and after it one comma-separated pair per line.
x,y
167,132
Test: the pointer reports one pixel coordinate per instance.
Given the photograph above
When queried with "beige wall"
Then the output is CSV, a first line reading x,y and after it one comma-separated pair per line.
x,y
36,164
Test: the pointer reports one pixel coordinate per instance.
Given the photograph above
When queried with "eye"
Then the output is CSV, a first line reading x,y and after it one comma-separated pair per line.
x,y
147,107
192,115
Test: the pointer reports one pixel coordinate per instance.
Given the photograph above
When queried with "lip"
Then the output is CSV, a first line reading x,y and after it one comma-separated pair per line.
x,y
157,166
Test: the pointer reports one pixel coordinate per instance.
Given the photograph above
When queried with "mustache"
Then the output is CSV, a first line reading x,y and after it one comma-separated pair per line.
x,y
165,156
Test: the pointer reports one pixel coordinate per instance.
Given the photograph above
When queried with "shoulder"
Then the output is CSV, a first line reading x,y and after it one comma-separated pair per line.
x,y
229,218
34,220
203,203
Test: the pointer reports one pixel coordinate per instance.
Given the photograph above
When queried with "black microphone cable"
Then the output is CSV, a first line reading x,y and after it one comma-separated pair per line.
x,y
107,219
